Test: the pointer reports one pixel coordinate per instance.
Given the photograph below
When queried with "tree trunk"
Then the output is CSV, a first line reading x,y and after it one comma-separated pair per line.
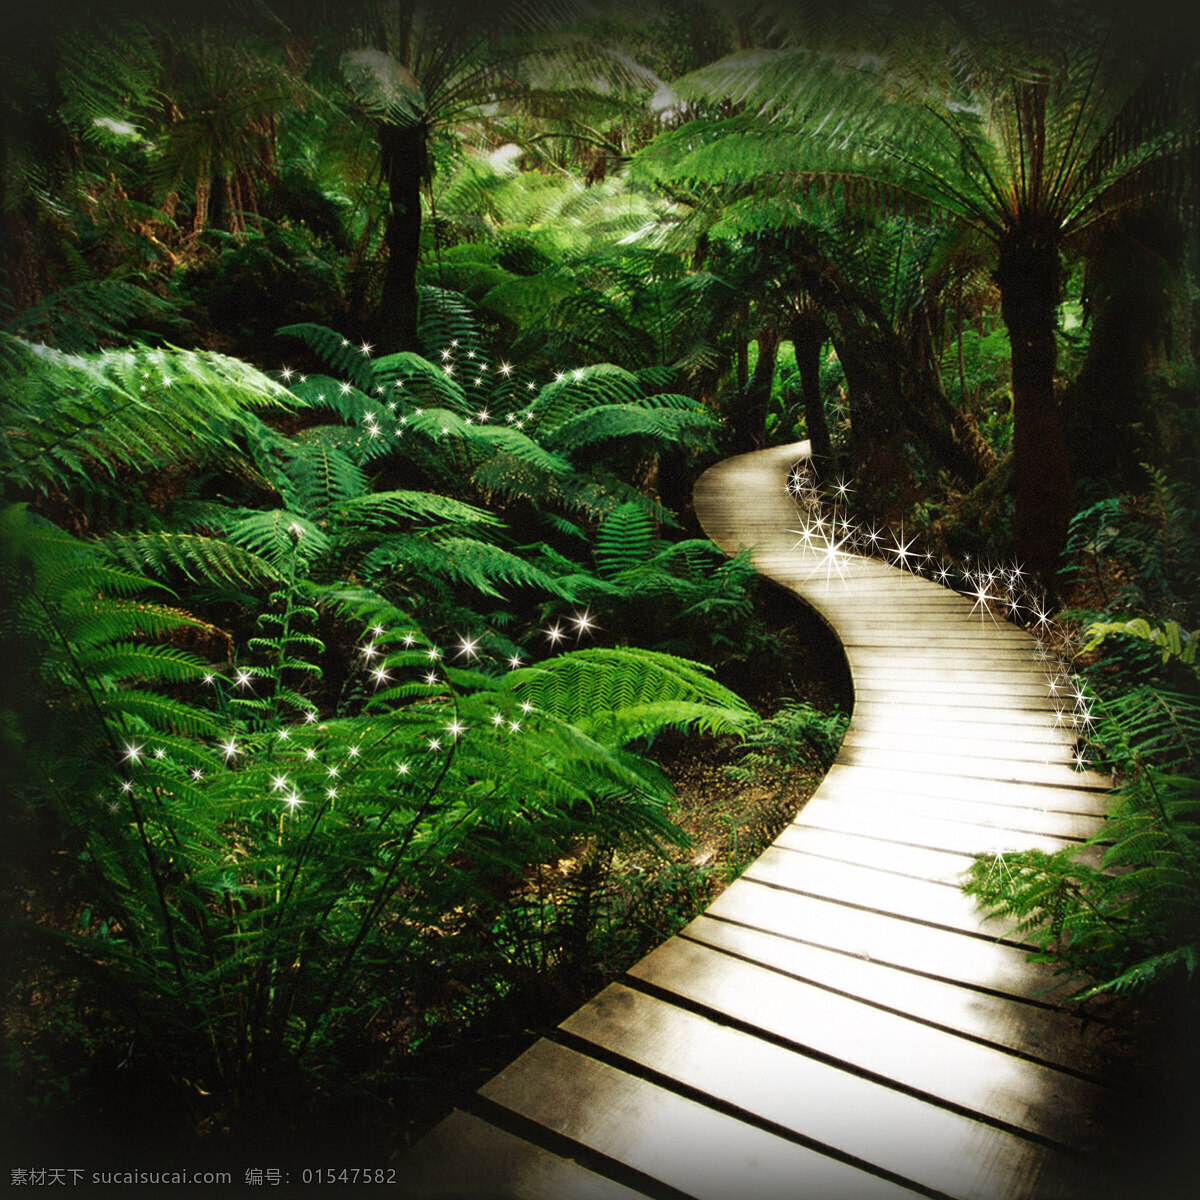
x,y
403,159
1028,275
883,475
749,426
809,333
1133,278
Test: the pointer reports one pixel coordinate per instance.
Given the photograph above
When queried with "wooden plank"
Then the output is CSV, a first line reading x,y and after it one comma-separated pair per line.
x,y
885,822
901,1134
938,953
671,1138
1012,657
1053,1036
917,675
939,904
914,861
992,822
998,692
931,712
1001,742
465,1156
995,769
958,696
895,1049
978,791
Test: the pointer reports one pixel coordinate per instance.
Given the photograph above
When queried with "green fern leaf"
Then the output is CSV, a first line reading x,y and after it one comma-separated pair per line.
x,y
626,538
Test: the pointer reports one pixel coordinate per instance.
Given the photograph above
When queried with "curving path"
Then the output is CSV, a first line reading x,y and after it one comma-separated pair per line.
x,y
840,1024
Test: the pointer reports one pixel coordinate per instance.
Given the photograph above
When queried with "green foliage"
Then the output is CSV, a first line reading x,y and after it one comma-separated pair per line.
x,y
798,738
1153,540
626,538
617,696
1133,923
77,421
253,888
84,315
1174,641
282,798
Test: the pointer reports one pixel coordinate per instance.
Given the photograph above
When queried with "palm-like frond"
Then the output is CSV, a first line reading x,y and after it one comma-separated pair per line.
x,y
478,564
609,692
1042,110
78,318
70,418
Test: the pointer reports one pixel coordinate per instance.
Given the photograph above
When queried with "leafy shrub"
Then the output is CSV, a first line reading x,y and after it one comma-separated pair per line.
x,y
1133,923
287,806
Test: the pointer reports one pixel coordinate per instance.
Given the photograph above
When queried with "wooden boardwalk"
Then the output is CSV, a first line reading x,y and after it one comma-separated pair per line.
x,y
840,1023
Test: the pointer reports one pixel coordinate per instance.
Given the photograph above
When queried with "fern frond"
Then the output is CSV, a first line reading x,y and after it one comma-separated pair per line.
x,y
584,687
625,539
413,380
70,418
585,388
351,402
278,534
478,564
381,510
519,446
158,712
665,426
322,476
79,318
351,362
132,660
199,558
1151,972
445,318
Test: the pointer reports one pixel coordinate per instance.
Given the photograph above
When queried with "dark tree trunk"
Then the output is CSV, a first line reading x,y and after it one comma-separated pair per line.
x,y
1132,282
404,164
749,426
883,475
809,334
1028,275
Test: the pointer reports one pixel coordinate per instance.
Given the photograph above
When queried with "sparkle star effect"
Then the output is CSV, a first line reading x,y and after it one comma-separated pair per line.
x,y
583,623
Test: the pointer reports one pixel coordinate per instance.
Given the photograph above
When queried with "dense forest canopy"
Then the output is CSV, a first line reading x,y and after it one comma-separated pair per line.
x,y
358,359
